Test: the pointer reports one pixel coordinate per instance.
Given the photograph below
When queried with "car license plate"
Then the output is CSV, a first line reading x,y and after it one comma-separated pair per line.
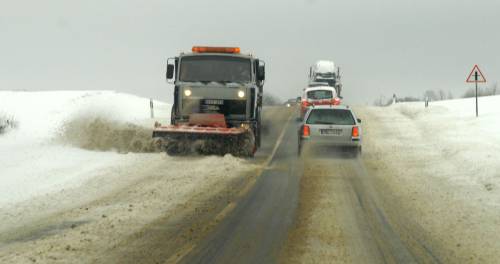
x,y
214,102
335,132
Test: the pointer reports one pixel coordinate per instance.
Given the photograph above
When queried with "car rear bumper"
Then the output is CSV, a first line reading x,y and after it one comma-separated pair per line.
x,y
329,142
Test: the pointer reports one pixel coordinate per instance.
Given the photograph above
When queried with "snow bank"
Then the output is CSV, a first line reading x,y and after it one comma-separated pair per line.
x,y
49,148
440,172
41,115
471,142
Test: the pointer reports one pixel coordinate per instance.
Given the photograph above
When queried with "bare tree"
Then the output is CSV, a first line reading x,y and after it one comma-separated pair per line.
x,y
409,99
431,95
6,122
442,95
450,95
482,91
383,101
270,99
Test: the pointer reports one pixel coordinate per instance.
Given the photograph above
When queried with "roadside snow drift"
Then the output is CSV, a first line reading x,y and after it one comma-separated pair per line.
x,y
47,137
471,144
439,171
95,133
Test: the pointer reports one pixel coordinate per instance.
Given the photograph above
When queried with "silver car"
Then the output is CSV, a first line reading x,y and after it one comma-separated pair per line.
x,y
331,126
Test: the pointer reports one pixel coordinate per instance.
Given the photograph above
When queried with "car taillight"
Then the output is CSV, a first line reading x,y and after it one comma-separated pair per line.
x,y
305,104
336,101
306,131
355,132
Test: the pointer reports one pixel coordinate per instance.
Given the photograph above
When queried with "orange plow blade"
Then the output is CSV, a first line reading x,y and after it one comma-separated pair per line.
x,y
187,139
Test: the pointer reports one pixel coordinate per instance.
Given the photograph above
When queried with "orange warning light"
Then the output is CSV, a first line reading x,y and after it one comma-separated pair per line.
x,y
199,49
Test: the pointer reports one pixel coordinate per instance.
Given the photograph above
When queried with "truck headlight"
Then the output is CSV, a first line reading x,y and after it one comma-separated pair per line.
x,y
241,94
187,92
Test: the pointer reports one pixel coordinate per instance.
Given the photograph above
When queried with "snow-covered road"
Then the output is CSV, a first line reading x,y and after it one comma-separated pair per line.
x,y
426,190
80,180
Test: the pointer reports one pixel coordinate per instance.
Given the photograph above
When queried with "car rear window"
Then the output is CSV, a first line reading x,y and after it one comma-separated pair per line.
x,y
330,117
319,94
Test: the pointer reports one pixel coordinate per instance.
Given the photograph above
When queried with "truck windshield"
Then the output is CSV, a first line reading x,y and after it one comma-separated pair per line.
x,y
319,94
330,117
326,75
330,82
215,68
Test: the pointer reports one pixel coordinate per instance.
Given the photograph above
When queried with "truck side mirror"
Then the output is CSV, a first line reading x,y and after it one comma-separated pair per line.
x,y
170,71
359,120
261,71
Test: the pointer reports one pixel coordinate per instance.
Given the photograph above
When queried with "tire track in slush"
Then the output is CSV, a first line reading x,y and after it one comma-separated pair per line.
x,y
257,225
338,192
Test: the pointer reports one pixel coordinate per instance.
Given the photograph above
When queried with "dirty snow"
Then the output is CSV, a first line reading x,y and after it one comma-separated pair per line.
x,y
78,176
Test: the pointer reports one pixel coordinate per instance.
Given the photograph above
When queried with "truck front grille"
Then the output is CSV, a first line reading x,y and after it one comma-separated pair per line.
x,y
226,107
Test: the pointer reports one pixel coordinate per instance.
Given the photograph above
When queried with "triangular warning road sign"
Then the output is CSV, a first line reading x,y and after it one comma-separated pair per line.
x,y
476,75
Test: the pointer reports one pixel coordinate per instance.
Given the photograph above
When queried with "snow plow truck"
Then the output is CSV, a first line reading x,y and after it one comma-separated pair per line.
x,y
217,103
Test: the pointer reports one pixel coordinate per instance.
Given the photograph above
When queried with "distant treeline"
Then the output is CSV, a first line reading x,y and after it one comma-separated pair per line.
x,y
488,91
270,99
439,95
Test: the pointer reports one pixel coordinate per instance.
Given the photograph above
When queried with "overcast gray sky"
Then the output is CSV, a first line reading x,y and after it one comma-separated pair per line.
x,y
383,47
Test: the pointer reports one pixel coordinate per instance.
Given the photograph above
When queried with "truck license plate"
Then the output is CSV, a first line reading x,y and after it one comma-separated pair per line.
x,y
214,101
336,132
210,107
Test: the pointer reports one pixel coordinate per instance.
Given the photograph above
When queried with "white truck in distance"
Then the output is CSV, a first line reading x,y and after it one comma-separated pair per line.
x,y
323,71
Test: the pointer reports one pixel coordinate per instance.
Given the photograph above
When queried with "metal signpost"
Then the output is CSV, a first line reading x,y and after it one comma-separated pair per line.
x,y
151,108
478,78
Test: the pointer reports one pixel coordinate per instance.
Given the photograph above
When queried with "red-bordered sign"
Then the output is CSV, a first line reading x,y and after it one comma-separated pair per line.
x,y
476,72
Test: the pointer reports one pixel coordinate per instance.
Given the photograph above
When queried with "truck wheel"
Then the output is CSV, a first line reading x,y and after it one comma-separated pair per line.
x,y
171,149
258,135
258,128
172,115
246,145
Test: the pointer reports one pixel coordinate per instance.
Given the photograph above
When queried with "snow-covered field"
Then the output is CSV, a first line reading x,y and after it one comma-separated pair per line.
x,y
42,154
